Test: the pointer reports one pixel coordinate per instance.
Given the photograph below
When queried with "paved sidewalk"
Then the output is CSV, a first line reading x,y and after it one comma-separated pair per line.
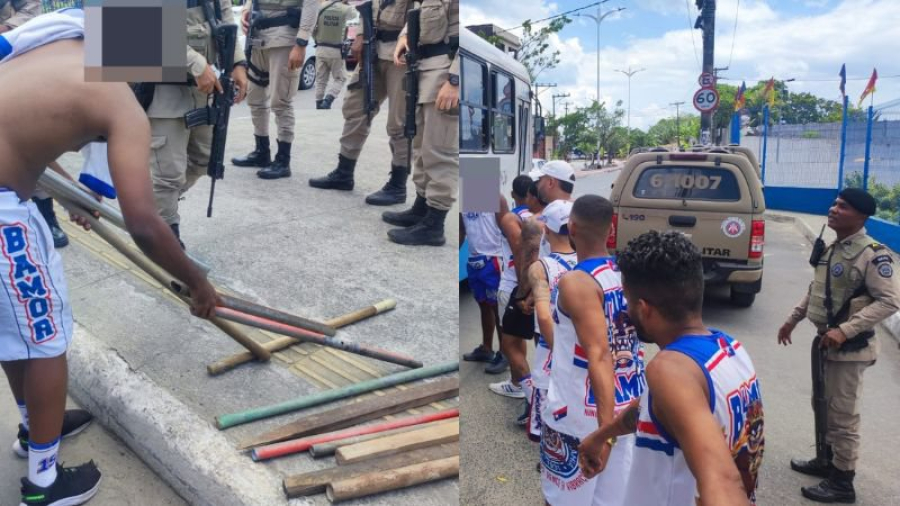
x,y
127,480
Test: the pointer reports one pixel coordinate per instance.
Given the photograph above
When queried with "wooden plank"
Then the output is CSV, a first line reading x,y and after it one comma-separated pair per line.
x,y
321,450
362,410
394,479
392,445
316,481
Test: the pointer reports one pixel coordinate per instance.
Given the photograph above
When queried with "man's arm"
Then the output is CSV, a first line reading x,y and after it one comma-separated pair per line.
x,y
541,289
797,315
681,404
591,447
528,250
511,227
128,134
27,11
882,284
308,19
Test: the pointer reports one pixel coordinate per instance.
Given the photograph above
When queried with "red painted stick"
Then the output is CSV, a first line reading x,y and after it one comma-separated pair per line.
x,y
301,445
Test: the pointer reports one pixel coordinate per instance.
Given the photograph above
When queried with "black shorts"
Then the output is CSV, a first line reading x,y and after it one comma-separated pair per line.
x,y
516,323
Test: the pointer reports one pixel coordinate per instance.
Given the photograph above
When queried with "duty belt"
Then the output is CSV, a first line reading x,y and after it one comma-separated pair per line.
x,y
292,19
387,35
431,50
326,44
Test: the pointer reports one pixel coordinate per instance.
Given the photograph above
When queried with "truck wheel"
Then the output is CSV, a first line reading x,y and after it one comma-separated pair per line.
x,y
742,299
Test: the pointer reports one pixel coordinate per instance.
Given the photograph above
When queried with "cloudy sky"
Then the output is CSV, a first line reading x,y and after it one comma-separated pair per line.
x,y
807,40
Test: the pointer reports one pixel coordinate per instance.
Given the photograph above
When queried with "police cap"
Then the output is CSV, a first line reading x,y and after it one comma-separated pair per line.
x,y
859,200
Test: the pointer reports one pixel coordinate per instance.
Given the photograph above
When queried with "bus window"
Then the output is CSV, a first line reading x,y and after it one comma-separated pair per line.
x,y
504,113
473,121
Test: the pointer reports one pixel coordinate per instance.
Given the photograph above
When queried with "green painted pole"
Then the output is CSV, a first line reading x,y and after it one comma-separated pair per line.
x,y
252,415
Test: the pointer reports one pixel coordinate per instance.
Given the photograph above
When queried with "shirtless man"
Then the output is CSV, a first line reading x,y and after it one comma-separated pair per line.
x,y
46,86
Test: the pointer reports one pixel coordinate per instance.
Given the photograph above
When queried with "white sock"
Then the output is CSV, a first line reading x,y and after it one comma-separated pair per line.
x,y
42,462
24,412
527,386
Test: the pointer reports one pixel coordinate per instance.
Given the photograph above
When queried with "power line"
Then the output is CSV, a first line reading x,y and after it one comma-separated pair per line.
x,y
687,5
557,15
734,32
817,80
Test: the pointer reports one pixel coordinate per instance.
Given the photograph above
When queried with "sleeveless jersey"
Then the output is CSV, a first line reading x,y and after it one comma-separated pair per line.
x,y
660,474
555,265
571,407
483,234
508,279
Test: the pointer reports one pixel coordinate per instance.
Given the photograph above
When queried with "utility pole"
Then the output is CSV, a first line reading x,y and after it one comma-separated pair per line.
x,y
561,95
677,125
707,22
538,86
630,73
567,107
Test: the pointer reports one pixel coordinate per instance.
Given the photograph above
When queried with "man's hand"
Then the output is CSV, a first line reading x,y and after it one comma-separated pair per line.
x,y
297,57
593,453
208,82
784,334
834,338
356,47
239,74
245,21
448,97
400,52
204,300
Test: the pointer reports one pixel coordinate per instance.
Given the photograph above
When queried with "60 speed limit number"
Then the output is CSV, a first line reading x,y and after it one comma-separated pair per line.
x,y
706,99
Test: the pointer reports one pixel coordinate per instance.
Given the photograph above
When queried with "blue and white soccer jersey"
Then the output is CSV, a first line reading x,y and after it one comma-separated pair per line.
x,y
35,315
660,474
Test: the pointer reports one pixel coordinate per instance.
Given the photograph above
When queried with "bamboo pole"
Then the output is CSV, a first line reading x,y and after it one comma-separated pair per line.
x,y
392,445
394,479
320,450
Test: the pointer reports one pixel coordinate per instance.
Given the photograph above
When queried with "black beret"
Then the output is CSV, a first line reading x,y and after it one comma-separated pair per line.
x,y
859,200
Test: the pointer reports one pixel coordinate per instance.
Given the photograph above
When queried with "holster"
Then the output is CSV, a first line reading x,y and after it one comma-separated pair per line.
x,y
857,342
143,92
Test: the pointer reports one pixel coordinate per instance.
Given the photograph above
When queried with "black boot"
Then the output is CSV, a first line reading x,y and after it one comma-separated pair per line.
x,y
177,232
341,178
429,231
45,206
816,466
837,488
260,157
326,102
394,191
409,217
281,167
318,104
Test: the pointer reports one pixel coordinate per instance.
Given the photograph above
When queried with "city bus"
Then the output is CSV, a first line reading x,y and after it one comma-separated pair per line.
x,y
496,119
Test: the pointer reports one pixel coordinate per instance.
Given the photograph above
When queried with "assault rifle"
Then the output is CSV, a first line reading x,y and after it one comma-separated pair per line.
x,y
412,81
369,59
217,113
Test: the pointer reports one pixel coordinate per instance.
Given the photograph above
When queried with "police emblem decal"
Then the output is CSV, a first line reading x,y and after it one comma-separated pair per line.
x,y
733,226
885,270
837,270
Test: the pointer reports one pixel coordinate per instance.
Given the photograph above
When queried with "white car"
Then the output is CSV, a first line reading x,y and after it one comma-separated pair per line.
x,y
537,163
307,74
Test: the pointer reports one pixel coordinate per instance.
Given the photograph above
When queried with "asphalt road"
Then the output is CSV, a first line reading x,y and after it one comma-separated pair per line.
x,y
499,462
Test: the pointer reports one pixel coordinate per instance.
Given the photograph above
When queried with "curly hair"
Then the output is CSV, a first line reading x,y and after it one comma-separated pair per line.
x,y
666,270
520,186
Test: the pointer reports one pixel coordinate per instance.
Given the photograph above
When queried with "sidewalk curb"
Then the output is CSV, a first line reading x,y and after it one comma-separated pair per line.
x,y
892,323
195,459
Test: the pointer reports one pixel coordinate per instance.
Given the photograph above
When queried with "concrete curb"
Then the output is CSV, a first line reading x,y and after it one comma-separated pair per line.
x,y
194,458
892,323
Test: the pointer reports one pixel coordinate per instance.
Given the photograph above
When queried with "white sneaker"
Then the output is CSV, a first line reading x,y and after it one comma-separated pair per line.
x,y
507,389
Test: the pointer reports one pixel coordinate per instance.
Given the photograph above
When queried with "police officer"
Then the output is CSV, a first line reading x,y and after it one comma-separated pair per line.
x,y
279,52
437,121
330,32
390,16
179,155
12,14
854,288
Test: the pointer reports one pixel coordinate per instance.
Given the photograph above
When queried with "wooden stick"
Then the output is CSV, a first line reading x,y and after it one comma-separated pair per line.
x,y
377,430
395,479
360,411
392,445
162,277
315,482
229,363
320,450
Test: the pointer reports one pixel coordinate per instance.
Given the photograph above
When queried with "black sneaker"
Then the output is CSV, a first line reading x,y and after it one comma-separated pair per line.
x,y
479,354
74,421
73,486
498,364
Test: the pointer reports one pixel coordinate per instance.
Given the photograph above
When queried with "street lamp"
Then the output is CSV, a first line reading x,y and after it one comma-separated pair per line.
x,y
599,19
630,73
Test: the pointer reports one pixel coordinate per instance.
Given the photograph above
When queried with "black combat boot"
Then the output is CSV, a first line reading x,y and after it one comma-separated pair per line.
x,y
409,217
318,104
45,206
836,488
341,178
394,191
429,231
281,167
816,466
326,102
260,157
177,232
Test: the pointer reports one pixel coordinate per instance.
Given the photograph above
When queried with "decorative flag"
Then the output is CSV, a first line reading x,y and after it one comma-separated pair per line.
x,y
843,74
739,99
870,88
769,92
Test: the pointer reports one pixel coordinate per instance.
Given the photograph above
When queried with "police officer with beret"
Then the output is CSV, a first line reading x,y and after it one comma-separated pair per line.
x,y
855,287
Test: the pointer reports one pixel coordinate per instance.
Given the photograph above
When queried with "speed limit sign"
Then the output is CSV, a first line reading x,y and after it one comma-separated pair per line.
x,y
706,99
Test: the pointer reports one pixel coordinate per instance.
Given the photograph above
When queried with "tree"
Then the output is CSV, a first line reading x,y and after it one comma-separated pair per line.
x,y
664,131
535,53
